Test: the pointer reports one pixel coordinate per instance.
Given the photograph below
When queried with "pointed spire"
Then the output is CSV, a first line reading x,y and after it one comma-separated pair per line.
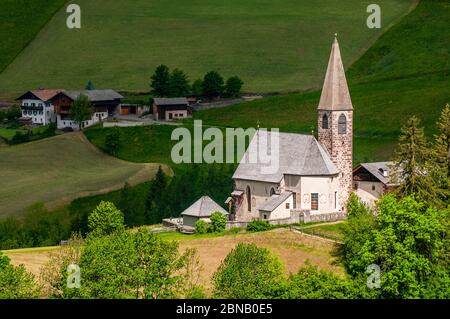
x,y
335,95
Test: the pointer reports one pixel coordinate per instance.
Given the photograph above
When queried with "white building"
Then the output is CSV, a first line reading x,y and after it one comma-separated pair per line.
x,y
373,180
314,177
37,106
103,102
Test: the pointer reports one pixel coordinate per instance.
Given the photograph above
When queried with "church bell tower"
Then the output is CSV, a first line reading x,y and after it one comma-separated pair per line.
x,y
335,121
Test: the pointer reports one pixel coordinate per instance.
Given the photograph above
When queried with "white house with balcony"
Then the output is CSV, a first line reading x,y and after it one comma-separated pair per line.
x,y
36,105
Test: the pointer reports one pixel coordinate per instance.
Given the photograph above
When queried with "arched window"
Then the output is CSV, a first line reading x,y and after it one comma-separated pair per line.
x,y
342,124
249,199
272,191
325,121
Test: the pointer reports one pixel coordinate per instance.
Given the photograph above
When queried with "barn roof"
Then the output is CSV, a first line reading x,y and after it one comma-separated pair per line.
x,y
204,207
335,95
298,154
170,101
95,95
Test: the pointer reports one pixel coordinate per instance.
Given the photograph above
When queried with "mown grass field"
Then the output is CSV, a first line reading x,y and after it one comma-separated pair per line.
x,y
20,22
383,98
293,248
271,45
59,169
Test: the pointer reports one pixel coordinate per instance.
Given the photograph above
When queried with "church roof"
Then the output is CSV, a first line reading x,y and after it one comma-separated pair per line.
x,y
298,154
335,95
204,207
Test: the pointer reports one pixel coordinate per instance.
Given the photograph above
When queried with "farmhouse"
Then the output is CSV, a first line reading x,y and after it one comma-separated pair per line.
x,y
37,108
373,180
314,178
104,102
167,109
202,209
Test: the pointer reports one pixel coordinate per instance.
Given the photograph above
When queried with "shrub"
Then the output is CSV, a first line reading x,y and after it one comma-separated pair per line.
x,y
233,86
218,222
248,272
202,227
105,219
259,225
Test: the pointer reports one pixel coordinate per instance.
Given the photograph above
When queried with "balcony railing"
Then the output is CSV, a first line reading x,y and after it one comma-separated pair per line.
x,y
32,108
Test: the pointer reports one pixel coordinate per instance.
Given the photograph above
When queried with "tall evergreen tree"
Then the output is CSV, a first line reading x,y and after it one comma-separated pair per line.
x,y
179,84
90,86
441,156
412,165
160,81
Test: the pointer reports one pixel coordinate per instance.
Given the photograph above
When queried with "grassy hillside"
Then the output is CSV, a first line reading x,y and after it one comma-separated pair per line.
x,y
271,45
382,101
20,21
59,169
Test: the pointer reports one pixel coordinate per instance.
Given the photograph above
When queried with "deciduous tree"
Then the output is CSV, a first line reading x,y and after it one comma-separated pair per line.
x,y
160,81
81,110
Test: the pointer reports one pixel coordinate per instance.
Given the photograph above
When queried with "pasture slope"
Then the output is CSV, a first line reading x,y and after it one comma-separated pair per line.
x,y
272,45
20,22
59,169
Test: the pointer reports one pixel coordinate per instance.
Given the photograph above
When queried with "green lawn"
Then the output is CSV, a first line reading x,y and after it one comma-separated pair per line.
x,y
8,133
57,170
330,231
20,21
272,45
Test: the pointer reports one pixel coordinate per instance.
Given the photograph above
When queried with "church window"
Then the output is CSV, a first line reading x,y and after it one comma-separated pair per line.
x,y
249,199
314,201
294,198
272,191
335,200
342,124
373,187
325,121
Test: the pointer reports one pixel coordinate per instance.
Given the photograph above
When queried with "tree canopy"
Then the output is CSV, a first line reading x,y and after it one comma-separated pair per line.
x,y
81,110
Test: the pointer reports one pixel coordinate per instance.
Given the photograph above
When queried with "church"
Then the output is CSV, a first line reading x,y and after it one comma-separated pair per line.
x,y
314,176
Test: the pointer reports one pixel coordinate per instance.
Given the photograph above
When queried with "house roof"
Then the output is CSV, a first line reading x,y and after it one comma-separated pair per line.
x,y
377,168
298,154
42,94
170,101
203,207
274,201
335,95
95,95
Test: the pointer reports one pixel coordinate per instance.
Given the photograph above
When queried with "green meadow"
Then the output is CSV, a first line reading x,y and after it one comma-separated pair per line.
x,y
272,45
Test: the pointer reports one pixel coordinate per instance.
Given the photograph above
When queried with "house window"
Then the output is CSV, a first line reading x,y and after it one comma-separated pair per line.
x,y
342,124
314,201
287,205
249,199
325,121
355,186
264,216
373,187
